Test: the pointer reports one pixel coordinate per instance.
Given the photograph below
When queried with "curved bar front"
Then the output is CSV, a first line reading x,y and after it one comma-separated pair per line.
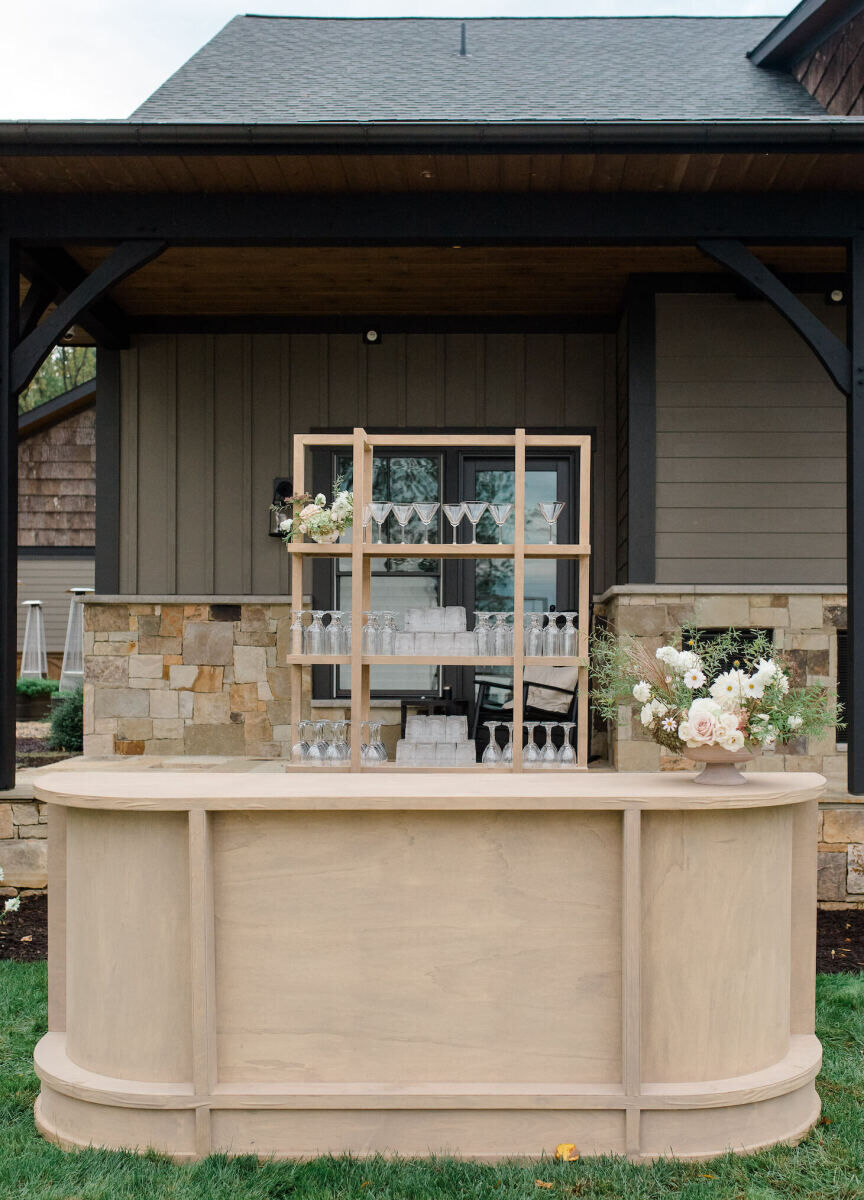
x,y
477,963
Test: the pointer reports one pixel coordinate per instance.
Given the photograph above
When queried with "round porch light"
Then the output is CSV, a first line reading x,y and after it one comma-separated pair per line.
x,y
371,337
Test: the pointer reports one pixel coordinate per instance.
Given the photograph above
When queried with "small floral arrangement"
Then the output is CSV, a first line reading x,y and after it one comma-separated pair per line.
x,y
12,904
724,691
312,516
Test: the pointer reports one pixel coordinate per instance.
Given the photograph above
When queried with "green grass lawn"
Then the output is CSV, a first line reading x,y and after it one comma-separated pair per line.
x,y
828,1165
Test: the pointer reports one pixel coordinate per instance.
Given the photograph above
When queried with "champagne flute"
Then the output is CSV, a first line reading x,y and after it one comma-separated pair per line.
x,y
550,514
426,513
454,514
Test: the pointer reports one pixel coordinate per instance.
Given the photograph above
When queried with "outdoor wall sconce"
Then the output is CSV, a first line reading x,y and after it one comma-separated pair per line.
x,y
282,489
371,337
835,296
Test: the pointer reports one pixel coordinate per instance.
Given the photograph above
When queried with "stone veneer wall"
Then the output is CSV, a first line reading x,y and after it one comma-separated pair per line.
x,y
23,842
804,622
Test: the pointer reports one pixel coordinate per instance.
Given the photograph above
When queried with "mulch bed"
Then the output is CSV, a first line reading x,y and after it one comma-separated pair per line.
x,y
840,940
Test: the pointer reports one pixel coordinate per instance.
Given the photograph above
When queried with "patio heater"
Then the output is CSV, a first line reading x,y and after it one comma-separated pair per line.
x,y
34,658
72,673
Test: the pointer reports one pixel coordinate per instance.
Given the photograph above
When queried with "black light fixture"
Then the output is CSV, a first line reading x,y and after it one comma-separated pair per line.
x,y
835,296
372,337
282,489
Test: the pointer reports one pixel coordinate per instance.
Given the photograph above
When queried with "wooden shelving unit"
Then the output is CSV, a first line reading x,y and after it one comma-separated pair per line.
x,y
363,550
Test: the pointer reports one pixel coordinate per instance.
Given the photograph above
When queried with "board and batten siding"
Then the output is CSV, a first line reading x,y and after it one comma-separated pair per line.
x,y
751,447
206,424
47,579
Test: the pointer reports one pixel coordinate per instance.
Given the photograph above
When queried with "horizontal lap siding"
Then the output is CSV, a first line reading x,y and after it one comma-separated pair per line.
x,y
750,447
206,426
47,579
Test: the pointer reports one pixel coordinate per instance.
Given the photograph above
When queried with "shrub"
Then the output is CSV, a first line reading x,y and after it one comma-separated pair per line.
x,y
36,687
67,724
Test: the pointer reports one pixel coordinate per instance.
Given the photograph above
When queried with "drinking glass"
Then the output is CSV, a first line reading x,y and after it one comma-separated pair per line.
x,y
548,755
482,634
296,631
338,749
502,637
317,746
474,510
454,514
334,634
300,749
367,518
346,632
551,640
376,746
567,755
492,756
367,754
531,753
507,752
568,636
499,514
380,511
550,514
387,635
534,636
426,512
402,513
371,634
313,635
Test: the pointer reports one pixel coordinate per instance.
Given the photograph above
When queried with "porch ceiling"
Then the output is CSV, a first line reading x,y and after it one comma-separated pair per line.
x,y
393,281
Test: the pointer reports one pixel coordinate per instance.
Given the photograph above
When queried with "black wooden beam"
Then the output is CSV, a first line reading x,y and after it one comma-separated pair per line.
x,y
105,321
8,510
39,295
108,473
32,350
641,435
855,519
446,218
827,347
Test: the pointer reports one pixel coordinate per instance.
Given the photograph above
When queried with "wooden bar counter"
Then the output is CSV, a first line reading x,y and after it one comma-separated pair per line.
x,y
486,964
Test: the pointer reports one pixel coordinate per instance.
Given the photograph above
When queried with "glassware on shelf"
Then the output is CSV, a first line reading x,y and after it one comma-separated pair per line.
x,y
334,634
318,746
402,513
313,635
502,636
454,514
569,638
296,631
492,756
548,754
380,511
567,755
482,634
499,514
531,752
507,752
550,514
372,752
551,640
367,518
300,749
534,636
474,510
371,643
426,514
387,633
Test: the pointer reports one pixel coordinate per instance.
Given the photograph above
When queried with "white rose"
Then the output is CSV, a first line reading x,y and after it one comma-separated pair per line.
x,y
668,655
321,500
642,692
309,511
286,524
795,722
732,741
727,724
647,714
699,729
705,704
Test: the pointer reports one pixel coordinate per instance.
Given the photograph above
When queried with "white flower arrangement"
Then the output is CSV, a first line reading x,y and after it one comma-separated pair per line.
x,y
313,517
726,691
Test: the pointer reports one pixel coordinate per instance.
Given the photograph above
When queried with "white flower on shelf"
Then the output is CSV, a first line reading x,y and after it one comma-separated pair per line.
x,y
669,724
694,678
647,714
642,692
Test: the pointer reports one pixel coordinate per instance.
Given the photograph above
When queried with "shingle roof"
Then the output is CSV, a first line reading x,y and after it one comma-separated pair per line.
x,y
313,70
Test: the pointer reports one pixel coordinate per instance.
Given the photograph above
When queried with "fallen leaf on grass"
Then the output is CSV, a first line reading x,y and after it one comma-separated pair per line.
x,y
566,1152
542,1183
706,1176
27,938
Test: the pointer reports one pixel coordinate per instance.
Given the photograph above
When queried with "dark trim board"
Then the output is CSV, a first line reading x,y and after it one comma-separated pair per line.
x,y
8,509
82,552
855,519
208,324
641,434
809,24
62,406
108,473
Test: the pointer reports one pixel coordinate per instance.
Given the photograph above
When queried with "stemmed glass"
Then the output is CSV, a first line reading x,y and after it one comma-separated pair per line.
x,y
402,513
454,514
337,749
373,753
548,755
371,643
321,730
499,514
426,512
300,749
313,635
551,639
534,636
380,511
531,753
387,635
492,756
482,634
567,755
550,514
296,631
474,510
313,755
507,752
502,643
367,518
568,636
334,634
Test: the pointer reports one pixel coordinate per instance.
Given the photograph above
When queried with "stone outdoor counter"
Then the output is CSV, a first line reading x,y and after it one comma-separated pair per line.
x,y
293,963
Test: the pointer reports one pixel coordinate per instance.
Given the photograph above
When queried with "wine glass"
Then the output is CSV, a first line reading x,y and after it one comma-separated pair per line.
x,y
454,514
334,638
568,636
296,631
313,635
531,753
300,749
534,636
499,514
507,752
377,749
371,643
380,511
426,512
567,755
482,634
550,514
402,513
474,510
317,745
548,755
387,634
551,640
492,756
502,643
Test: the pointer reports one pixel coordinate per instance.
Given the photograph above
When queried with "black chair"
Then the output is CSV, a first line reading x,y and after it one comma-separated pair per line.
x,y
486,710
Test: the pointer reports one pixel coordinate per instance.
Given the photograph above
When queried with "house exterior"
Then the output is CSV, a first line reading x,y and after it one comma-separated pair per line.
x,y
648,229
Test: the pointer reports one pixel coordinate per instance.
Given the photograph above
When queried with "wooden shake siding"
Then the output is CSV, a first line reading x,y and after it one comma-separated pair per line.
x,y
57,484
207,421
834,73
750,447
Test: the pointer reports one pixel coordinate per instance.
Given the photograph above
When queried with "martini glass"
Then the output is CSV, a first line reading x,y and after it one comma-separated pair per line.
x,y
426,513
454,514
492,756
548,755
379,512
367,519
567,755
474,510
499,514
402,513
550,514
531,753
